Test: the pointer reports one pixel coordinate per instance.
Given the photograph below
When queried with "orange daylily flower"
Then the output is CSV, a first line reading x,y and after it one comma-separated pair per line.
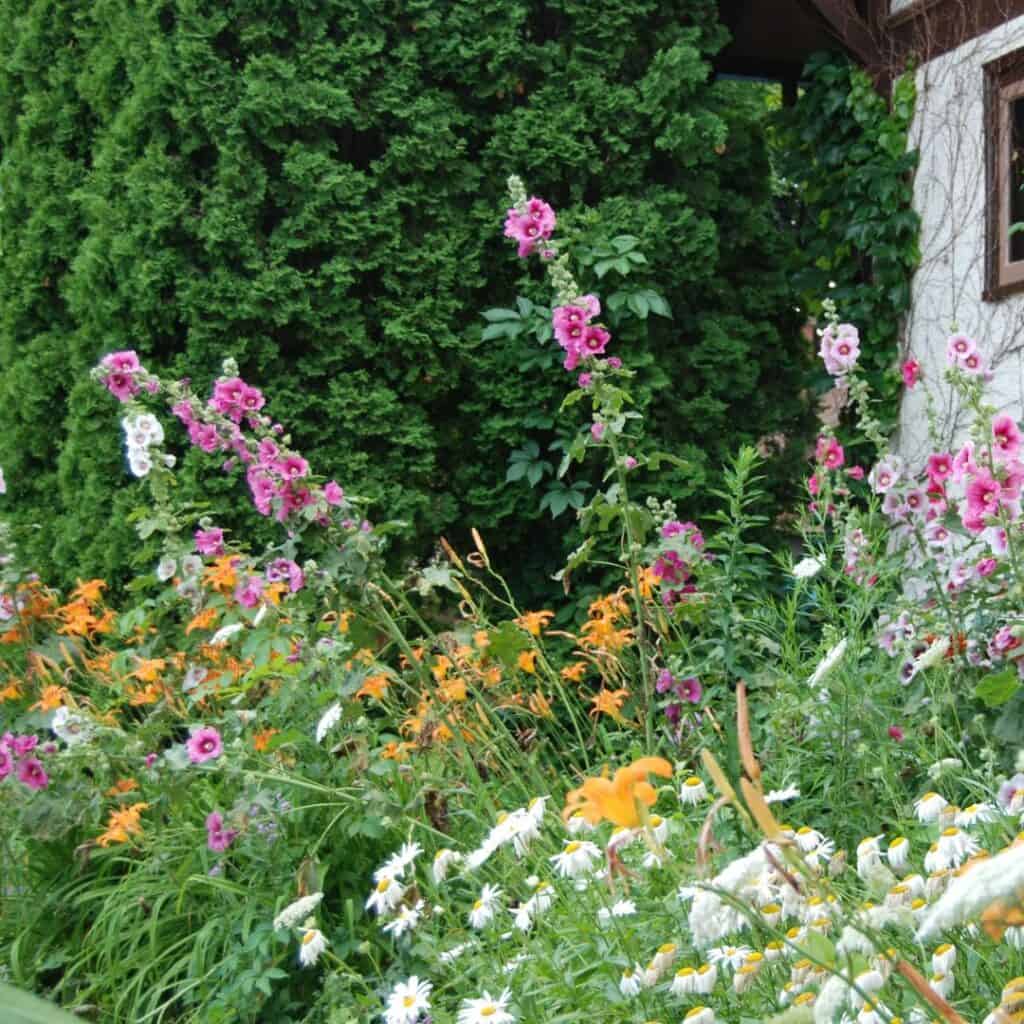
x,y
452,690
574,672
601,632
397,751
222,575
440,668
482,639
122,786
618,799
417,653
526,661
11,691
51,698
534,622
76,618
261,740
89,591
344,621
609,702
540,705
374,686
148,694
202,620
122,824
148,670
647,580
492,676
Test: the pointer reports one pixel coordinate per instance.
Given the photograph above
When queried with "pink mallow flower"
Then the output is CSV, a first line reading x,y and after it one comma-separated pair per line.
x,y
204,744
984,494
1006,437
531,226
6,763
911,371
886,473
958,348
939,468
829,453
840,348
210,542
249,592
284,570
333,494
218,838
32,773
896,733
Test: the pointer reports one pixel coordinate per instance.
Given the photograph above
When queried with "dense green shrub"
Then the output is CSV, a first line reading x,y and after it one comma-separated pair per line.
x,y
312,188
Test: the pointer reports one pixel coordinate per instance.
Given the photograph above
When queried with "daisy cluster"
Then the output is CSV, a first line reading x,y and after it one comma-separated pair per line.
x,y
794,922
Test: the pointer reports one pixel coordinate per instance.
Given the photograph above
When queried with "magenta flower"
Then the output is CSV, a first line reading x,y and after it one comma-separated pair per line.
x,y
829,453
204,745
122,362
885,473
973,365
615,363
210,542
218,838
32,773
22,745
6,763
939,468
985,567
911,371
856,473
597,431
595,340
983,495
963,462
121,385
249,592
664,681
293,467
813,485
896,733
151,760
1007,437
284,570
333,494
530,227
689,689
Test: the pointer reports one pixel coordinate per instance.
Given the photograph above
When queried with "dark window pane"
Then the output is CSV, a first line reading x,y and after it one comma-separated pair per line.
x,y
1016,179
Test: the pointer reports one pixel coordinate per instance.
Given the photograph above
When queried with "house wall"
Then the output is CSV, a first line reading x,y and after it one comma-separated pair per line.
x,y
950,194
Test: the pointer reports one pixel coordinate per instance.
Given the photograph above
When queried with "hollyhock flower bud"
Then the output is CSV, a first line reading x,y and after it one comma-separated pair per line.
x,y
911,371
614,363
597,431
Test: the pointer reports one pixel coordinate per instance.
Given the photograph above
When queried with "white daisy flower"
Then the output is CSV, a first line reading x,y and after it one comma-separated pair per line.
x,y
700,1015
934,860
693,791
744,977
777,796
511,965
443,860
577,823
707,976
976,814
955,846
869,981
943,959
898,853
684,982
312,946
656,860
484,908
536,808
225,633
620,838
487,1009
630,982
942,984
405,921
729,956
665,957
328,720
929,807
395,865
387,894
408,1001
623,908
576,858
298,911
449,956
808,838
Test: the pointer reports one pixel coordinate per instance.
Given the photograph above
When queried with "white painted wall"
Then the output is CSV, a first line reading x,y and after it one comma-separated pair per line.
x,y
949,193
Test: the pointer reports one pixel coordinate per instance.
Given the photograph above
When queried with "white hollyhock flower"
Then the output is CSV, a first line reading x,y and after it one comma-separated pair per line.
x,y
328,720
298,911
139,462
71,727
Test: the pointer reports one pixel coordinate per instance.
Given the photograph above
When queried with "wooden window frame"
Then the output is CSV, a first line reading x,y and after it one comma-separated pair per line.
x,y
1004,83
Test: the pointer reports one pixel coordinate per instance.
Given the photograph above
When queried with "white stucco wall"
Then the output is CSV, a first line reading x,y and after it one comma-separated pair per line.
x,y
949,193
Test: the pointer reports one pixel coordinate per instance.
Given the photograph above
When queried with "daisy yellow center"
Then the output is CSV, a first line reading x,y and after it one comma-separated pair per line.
x,y
951,832
655,821
754,958
383,885
770,908
571,848
803,999
669,947
774,944
488,1011
308,937
478,904
898,890
929,796
693,782
918,904
804,830
898,841
944,948
704,968
695,1012
685,972
409,1001
503,816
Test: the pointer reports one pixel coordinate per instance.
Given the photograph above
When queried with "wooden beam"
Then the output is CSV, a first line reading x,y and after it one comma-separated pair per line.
x,y
926,29
850,30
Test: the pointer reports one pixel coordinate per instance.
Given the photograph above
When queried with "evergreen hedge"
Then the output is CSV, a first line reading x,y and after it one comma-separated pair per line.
x,y
315,187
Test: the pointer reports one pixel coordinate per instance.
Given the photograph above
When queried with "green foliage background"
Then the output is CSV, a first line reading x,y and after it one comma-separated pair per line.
x,y
316,188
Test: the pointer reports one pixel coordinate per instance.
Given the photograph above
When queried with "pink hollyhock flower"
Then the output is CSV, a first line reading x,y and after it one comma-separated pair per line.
x,y
1004,641
204,744
886,473
121,385
333,494
252,399
584,380
936,534
689,689
629,462
122,362
614,363
218,838
1006,436
294,467
595,341
263,489
542,215
530,227
939,468
997,540
592,305
210,542
22,745
184,412
911,371
569,322
6,763
985,567
151,760
292,499
958,348
664,681
983,495
829,452
973,365
670,568
284,570
840,348
893,505
249,592
32,773
856,472
597,431
267,453
814,485
963,462
204,436
896,733
916,501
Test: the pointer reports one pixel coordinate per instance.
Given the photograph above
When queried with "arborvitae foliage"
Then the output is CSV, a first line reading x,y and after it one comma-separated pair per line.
x,y
315,188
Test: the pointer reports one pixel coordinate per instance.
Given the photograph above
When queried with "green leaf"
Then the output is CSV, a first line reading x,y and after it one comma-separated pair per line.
x,y
997,687
22,1008
506,643
494,315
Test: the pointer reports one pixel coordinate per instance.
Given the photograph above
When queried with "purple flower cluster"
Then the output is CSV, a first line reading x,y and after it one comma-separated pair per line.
x,y
530,225
123,375
574,331
674,566
218,838
17,757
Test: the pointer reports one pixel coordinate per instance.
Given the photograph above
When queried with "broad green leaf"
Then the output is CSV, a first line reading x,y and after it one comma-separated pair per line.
x,y
997,687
